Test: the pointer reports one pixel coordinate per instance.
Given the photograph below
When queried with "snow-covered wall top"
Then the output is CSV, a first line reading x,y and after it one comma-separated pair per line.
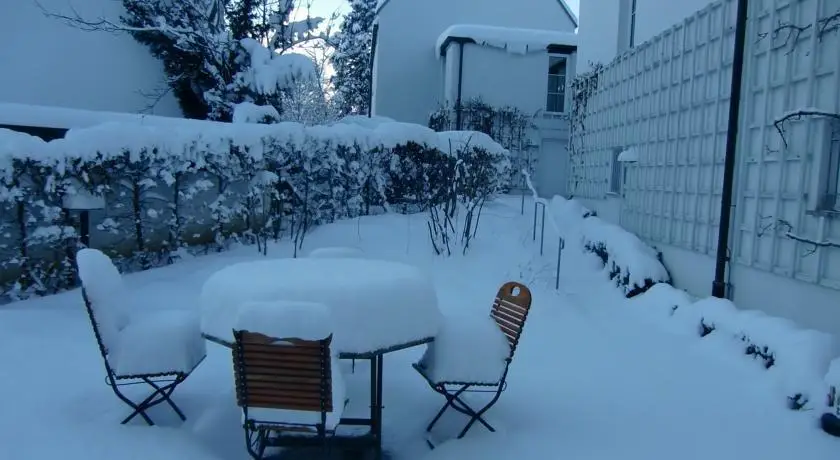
x,y
60,117
45,61
515,40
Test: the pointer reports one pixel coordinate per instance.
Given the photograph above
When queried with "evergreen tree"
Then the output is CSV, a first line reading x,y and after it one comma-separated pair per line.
x,y
351,59
190,38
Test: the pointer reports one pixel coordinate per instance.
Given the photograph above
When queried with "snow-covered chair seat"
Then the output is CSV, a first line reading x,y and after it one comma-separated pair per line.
x,y
288,382
159,348
470,354
337,252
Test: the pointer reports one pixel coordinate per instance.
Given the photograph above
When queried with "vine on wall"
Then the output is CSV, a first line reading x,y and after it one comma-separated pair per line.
x,y
583,87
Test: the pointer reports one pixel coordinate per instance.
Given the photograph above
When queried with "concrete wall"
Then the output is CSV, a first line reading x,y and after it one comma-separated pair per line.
x,y
44,61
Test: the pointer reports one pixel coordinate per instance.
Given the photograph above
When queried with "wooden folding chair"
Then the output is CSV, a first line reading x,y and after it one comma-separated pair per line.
x,y
109,325
510,310
285,388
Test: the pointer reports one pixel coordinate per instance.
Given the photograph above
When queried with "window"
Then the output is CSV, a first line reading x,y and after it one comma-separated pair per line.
x,y
556,84
830,197
616,172
632,23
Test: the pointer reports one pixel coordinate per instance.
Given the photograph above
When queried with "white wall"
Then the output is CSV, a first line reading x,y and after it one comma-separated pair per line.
x,y
598,32
410,71
44,61
504,79
604,25
655,16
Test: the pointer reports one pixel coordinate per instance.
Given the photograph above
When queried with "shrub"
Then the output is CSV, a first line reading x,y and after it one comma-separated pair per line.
x,y
209,184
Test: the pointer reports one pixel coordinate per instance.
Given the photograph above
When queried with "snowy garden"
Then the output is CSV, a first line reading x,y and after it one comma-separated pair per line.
x,y
388,242
290,279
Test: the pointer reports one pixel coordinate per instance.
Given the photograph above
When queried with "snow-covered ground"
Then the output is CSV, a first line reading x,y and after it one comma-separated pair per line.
x,y
592,378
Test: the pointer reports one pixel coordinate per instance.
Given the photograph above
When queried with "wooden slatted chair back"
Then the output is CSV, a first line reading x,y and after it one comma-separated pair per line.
x,y
510,309
290,374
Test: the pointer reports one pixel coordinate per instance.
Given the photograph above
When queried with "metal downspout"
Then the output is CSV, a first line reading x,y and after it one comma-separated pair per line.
x,y
722,260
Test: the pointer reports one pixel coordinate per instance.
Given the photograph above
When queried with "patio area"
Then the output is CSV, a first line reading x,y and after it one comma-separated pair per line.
x,y
591,379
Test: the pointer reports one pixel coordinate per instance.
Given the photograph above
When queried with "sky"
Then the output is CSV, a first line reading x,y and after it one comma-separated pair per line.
x,y
324,8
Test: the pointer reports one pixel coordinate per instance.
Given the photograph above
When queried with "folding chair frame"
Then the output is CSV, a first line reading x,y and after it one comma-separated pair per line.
x,y
452,391
163,384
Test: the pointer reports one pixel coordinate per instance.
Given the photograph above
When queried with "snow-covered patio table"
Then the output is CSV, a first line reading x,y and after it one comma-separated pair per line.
x,y
377,307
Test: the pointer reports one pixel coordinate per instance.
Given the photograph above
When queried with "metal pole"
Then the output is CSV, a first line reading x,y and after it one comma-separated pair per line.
x,y
542,230
535,221
84,228
559,254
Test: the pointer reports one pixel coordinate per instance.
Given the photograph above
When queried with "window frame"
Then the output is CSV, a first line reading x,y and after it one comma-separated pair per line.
x,y
616,182
632,27
823,195
829,192
566,59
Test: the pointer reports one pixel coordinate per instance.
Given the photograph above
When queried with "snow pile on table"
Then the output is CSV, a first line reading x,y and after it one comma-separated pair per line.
x,y
146,343
514,40
248,112
284,319
796,359
375,304
630,263
467,350
337,252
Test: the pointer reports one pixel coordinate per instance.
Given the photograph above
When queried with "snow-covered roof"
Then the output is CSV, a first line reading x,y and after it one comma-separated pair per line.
x,y
381,4
514,40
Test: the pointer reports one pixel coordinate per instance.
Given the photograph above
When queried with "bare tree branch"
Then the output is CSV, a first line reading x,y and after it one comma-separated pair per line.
x,y
798,115
785,229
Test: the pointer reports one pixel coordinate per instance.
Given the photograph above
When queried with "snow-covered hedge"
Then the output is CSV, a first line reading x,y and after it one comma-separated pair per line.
x,y
797,360
630,263
167,187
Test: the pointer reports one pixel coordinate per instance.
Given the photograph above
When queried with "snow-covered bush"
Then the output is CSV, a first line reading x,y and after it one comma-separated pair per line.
x,y
633,265
630,263
168,187
796,359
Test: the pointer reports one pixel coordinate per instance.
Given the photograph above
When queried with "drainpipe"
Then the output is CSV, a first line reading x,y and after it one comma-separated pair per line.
x,y
374,39
460,82
726,202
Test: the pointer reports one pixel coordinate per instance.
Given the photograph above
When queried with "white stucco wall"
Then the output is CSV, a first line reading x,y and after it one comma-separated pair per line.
x,y
604,25
410,74
598,32
44,61
504,79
